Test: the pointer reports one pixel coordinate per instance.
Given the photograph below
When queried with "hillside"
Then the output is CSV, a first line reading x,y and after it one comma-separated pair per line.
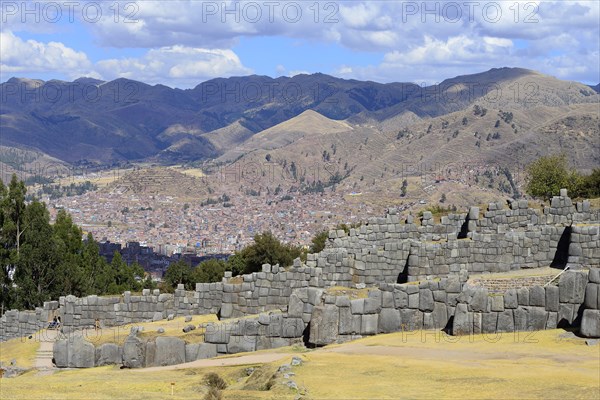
x,y
124,120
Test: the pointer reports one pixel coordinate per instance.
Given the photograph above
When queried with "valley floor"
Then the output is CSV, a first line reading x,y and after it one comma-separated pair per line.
x,y
423,364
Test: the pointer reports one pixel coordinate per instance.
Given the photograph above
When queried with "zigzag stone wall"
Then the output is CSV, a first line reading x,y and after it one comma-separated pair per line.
x,y
417,275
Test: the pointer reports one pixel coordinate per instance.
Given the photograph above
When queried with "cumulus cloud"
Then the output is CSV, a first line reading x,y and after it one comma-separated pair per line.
x,y
421,40
25,56
176,65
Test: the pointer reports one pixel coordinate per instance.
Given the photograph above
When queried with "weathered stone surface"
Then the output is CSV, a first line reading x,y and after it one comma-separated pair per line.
x,y
572,287
463,320
537,296
536,318
369,324
81,353
497,303
591,296
566,314
440,315
373,305
357,306
134,352
108,354
426,300
200,351
150,354
506,322
590,324
523,296
552,293
520,315
60,353
241,344
479,300
295,306
157,316
217,333
389,320
594,275
292,328
169,351
510,299
489,322
324,325
411,319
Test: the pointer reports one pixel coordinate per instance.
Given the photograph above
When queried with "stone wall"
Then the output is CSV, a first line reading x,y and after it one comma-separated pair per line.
x,y
500,239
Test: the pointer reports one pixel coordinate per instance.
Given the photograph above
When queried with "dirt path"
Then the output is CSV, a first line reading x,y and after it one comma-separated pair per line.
x,y
224,362
44,355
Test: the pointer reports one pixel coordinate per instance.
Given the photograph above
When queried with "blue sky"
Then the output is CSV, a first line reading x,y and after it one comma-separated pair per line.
x,y
183,43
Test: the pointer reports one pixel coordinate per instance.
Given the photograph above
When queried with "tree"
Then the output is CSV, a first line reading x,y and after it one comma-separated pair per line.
x,y
547,175
69,248
36,274
267,249
177,273
211,270
97,272
318,242
236,263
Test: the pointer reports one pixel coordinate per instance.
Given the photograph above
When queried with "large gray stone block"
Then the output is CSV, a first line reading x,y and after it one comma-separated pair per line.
x,y
520,315
241,344
426,300
479,300
537,296
523,296
594,275
295,306
489,322
572,287
566,314
463,321
411,319
169,351
440,315
292,327
389,320
510,299
590,324
536,318
357,306
60,351
506,322
324,325
369,324
81,353
200,351
134,352
591,296
108,354
552,297
400,299
217,333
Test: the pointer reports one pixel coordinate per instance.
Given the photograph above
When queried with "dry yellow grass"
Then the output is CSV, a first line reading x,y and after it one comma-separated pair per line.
x,y
21,349
422,364
433,365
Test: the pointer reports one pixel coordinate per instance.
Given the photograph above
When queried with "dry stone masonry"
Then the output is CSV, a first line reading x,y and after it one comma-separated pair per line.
x,y
412,276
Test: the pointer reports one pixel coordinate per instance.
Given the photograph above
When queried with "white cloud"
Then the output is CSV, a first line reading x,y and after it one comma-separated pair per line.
x,y
176,66
30,56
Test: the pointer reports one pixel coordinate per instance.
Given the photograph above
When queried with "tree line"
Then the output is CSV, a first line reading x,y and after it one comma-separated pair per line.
x,y
548,174
40,261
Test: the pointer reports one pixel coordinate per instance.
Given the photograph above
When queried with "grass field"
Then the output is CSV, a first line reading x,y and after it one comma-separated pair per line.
x,y
421,364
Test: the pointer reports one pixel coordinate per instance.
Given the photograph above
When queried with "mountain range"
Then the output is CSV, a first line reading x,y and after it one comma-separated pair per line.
x,y
88,120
